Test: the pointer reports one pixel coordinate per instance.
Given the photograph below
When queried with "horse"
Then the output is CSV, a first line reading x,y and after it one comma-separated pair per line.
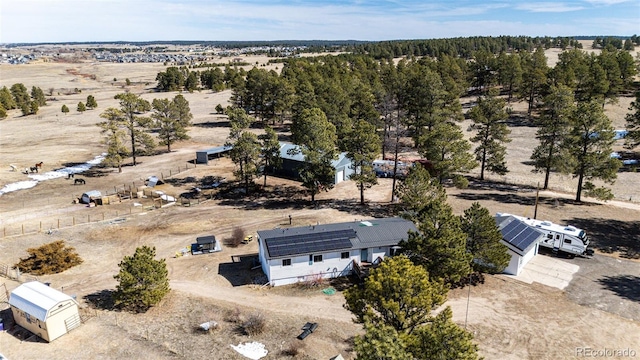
x,y
34,169
79,181
13,167
39,165
70,175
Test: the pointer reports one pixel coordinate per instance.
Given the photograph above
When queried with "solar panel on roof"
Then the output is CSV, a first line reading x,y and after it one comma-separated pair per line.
x,y
519,234
309,243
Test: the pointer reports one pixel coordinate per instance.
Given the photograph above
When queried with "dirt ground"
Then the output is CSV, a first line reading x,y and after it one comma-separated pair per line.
x,y
506,316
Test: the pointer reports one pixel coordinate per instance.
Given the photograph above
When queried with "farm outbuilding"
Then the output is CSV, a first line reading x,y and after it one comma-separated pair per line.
x,y
203,156
44,311
521,240
90,196
205,244
299,254
292,161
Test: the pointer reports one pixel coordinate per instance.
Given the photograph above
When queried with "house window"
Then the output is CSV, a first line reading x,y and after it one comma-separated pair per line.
x,y
317,258
286,262
344,255
549,236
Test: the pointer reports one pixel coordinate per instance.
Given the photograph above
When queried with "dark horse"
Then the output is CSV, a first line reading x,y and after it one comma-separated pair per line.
x,y
34,169
79,181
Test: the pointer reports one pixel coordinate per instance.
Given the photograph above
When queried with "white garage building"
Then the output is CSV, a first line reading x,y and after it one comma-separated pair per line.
x,y
521,239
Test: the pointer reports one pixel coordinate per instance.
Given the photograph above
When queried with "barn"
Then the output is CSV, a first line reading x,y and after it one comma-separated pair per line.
x,y
203,156
292,161
44,311
521,240
292,255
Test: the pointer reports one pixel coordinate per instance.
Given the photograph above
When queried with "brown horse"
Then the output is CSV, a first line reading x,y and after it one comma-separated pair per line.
x,y
39,165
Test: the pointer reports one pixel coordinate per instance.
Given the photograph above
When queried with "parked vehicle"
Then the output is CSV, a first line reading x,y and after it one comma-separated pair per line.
x,y
560,238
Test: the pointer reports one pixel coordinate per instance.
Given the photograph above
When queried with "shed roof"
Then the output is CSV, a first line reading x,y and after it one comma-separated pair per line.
x,y
216,150
519,236
36,299
286,147
331,237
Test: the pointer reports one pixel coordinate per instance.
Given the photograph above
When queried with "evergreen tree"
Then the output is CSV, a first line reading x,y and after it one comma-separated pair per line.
x,y
440,246
443,339
20,95
632,140
316,138
51,258
142,280
81,107
239,121
380,342
115,138
33,107
398,294
38,96
91,102
509,72
488,119
534,77
246,155
270,152
65,109
6,99
588,147
183,110
3,112
128,118
483,240
448,151
553,126
171,130
363,146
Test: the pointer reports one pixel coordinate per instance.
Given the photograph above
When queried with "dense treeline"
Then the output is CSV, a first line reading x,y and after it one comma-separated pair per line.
x,y
18,97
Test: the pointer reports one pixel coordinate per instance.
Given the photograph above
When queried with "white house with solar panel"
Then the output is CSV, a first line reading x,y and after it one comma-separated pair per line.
x,y
291,255
521,239
44,311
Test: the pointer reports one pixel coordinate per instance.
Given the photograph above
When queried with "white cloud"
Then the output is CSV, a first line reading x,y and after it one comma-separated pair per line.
x,y
548,7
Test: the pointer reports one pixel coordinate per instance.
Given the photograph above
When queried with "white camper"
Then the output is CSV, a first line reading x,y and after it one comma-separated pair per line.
x,y
560,238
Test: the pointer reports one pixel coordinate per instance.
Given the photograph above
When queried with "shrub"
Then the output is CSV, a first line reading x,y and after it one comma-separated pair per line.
x,y
254,325
234,316
237,236
293,350
52,258
142,281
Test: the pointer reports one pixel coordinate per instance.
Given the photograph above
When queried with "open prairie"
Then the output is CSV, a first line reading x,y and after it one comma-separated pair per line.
x,y
510,319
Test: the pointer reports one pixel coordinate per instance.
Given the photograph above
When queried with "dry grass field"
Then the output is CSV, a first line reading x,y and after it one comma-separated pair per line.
x,y
511,320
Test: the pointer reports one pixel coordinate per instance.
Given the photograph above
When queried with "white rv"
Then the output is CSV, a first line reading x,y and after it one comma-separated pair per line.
x,y
560,238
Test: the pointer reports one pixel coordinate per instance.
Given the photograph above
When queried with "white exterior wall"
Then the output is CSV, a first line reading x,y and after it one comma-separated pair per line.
x,y
518,262
375,253
300,269
54,326
263,259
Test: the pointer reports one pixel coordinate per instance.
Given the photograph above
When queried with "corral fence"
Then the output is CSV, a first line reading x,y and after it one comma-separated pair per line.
x,y
15,274
114,205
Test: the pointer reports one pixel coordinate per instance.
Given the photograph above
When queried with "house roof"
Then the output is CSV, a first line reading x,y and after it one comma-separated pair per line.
x,y
286,147
516,234
36,299
331,237
216,150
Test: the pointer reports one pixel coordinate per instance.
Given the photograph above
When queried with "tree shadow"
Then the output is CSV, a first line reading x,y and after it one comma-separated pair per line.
x,y
609,235
213,124
623,285
242,270
517,120
102,299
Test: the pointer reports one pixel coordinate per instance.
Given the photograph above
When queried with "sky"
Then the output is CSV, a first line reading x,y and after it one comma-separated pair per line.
x,y
30,21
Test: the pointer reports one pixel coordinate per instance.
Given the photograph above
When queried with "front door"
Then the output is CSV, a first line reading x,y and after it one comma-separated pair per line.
x,y
364,255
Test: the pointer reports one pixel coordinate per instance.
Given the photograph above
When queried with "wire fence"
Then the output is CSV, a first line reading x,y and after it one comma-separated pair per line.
x,y
113,204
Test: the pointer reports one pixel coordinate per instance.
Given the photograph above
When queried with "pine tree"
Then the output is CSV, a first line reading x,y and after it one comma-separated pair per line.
x,y
166,115
81,107
270,153
488,119
363,146
91,102
6,99
483,240
443,339
142,280
65,109
3,112
440,246
553,126
246,155
632,139
588,147
448,151
38,96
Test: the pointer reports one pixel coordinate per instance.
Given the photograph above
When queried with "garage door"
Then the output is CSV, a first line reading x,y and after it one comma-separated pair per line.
x,y
340,176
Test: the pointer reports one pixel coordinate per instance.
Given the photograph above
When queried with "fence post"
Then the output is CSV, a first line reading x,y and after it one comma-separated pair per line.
x,y
40,226
22,229
74,220
58,223
102,216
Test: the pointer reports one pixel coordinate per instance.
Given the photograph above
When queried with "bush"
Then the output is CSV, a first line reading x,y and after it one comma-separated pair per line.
x,y
237,237
234,316
52,258
293,350
254,325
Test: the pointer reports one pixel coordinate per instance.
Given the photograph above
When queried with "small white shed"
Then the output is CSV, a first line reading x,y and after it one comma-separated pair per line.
x,y
521,240
46,312
90,196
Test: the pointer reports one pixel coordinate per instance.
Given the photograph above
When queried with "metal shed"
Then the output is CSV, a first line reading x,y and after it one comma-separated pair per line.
x,y
89,196
44,311
202,156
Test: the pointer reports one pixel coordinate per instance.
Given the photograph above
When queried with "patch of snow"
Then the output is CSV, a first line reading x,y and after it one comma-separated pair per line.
x,y
253,350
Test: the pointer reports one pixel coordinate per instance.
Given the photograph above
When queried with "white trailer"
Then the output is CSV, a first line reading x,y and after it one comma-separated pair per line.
x,y
560,238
